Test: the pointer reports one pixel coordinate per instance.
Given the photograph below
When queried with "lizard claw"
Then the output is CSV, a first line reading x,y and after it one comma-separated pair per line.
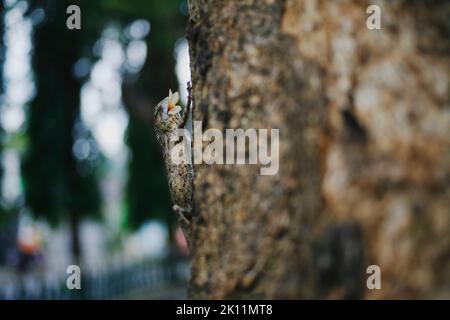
x,y
181,215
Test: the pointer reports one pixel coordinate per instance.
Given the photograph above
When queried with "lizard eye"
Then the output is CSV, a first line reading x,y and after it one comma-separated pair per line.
x,y
162,109
174,110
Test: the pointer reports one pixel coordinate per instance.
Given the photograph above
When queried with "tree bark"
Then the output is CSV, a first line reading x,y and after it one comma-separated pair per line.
x,y
364,123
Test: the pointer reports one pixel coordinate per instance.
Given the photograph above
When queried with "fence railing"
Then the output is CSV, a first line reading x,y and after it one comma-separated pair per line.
x,y
106,284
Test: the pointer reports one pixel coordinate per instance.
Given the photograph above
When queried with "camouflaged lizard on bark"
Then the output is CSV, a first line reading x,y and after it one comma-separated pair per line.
x,y
169,117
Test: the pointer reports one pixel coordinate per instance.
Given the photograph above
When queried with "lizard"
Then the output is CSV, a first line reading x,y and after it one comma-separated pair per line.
x,y
169,117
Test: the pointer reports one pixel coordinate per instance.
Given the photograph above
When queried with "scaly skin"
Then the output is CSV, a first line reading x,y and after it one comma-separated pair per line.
x,y
180,177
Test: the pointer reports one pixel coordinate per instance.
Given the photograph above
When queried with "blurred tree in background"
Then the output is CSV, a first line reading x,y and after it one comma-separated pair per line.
x,y
147,191
57,185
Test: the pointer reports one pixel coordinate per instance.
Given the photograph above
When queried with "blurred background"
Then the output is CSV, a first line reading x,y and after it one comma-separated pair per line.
x,y
82,179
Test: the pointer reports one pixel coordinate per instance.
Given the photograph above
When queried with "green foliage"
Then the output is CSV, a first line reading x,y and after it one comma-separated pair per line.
x,y
147,193
54,180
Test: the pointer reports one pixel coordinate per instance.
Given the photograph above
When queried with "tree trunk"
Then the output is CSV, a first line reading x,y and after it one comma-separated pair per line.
x,y
364,149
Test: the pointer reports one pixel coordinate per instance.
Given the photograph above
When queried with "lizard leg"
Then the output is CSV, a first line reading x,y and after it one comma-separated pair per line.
x,y
181,214
184,222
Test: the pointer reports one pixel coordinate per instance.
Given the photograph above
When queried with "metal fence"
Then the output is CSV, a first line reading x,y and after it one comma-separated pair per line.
x,y
152,278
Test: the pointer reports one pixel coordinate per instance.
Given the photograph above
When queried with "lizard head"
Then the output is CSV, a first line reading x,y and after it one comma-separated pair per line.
x,y
167,112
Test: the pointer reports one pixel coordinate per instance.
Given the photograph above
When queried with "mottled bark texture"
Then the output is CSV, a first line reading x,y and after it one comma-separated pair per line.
x,y
364,119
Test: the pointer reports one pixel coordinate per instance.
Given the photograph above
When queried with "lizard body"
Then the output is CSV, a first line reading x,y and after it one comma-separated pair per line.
x,y
180,176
